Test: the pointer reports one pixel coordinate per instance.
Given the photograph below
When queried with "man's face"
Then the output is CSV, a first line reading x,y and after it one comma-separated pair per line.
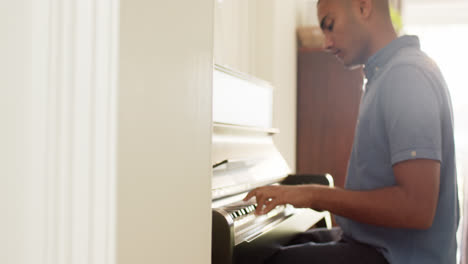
x,y
343,33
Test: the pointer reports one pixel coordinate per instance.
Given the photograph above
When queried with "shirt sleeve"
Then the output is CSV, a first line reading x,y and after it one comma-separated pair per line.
x,y
412,115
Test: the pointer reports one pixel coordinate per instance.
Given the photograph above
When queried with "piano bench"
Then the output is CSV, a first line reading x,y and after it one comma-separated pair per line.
x,y
299,179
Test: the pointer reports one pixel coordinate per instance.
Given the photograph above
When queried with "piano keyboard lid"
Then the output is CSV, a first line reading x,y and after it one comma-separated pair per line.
x,y
244,155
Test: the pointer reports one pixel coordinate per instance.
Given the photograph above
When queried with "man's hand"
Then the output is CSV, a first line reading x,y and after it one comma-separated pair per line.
x,y
269,197
411,203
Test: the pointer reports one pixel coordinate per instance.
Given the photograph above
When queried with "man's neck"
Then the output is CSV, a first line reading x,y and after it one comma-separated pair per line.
x,y
382,38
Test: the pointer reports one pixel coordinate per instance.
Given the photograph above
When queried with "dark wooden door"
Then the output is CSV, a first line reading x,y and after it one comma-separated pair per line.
x,y
328,97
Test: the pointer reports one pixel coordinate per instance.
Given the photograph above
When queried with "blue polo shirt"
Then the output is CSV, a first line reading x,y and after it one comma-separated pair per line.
x,y
405,114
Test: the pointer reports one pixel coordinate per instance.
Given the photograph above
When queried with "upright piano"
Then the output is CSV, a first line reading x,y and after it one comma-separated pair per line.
x,y
244,157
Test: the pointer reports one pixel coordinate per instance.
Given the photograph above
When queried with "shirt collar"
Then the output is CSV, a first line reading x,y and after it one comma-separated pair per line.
x,y
379,59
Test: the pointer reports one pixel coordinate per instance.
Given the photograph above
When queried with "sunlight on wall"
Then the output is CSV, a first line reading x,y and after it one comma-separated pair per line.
x,y
446,44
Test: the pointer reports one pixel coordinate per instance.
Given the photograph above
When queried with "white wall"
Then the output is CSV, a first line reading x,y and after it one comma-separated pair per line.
x,y
306,13
58,132
284,75
19,202
164,132
235,34
258,37
435,12
57,165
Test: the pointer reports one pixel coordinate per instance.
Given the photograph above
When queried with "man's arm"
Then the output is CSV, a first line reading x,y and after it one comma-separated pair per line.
x,y
411,203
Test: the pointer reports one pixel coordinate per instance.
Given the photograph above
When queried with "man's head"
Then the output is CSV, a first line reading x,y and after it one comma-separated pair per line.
x,y
355,29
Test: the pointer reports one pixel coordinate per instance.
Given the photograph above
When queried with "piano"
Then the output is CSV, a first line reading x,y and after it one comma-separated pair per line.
x,y
244,157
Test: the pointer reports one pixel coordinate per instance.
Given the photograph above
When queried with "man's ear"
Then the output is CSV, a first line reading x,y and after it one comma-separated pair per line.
x,y
365,7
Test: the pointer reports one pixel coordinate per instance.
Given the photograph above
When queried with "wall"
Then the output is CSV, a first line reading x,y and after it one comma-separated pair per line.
x,y
164,132
306,13
57,131
435,12
18,200
258,37
283,76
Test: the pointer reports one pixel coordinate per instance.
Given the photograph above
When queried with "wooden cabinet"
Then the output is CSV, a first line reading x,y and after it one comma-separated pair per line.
x,y
328,97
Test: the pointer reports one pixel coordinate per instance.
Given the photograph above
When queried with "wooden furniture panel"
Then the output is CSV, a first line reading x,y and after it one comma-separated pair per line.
x,y
328,98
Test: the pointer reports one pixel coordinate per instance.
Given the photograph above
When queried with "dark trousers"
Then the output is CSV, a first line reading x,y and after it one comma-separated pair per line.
x,y
325,246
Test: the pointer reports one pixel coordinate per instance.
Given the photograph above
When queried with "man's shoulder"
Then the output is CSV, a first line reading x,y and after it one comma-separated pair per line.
x,y
412,74
412,59
412,66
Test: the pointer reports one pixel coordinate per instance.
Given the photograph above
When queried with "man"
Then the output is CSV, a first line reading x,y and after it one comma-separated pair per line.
x,y
400,204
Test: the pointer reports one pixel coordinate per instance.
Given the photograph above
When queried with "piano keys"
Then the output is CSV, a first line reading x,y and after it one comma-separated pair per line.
x,y
245,157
